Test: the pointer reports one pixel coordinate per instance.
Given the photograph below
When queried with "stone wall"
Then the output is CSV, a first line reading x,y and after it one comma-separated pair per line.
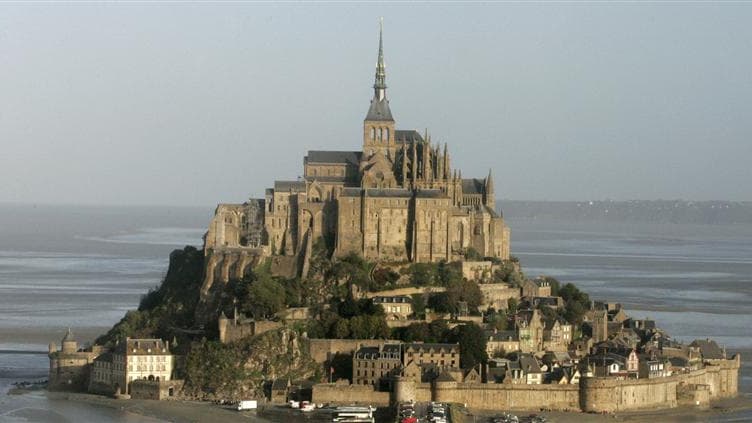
x,y
479,271
155,389
231,330
410,290
497,295
718,379
609,395
334,393
322,350
483,396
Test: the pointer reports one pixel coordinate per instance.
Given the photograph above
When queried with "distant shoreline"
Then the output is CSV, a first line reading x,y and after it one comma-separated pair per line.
x,y
636,211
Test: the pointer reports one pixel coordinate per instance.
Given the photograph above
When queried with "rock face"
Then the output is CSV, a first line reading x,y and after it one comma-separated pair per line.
x,y
280,354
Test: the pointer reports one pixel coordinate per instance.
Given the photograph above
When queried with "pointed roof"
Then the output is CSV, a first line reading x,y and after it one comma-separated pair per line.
x,y
68,336
489,183
380,68
379,110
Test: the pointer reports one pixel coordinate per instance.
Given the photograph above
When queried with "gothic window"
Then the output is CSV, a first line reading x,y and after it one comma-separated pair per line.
x,y
373,134
386,132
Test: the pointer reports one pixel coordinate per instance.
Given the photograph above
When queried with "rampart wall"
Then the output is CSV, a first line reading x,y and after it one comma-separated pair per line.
x,y
348,394
719,379
483,396
610,395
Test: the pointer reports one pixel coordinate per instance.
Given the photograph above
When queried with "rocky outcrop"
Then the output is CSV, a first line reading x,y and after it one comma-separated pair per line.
x,y
280,353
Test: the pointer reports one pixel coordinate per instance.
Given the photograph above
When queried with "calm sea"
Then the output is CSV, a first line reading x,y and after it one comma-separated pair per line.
x,y
83,267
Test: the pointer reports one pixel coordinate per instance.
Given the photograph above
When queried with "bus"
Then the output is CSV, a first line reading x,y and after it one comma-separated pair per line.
x,y
353,415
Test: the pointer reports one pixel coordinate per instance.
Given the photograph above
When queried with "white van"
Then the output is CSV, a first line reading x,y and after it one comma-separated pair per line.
x,y
247,405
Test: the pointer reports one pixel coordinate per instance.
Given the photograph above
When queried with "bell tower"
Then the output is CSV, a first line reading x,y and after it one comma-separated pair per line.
x,y
378,126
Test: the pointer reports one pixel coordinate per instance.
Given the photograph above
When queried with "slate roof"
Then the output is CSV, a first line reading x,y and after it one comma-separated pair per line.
x,y
472,186
379,111
326,179
335,157
407,136
351,192
502,335
445,377
434,346
105,357
529,364
430,193
392,299
295,186
142,347
708,348
280,384
389,192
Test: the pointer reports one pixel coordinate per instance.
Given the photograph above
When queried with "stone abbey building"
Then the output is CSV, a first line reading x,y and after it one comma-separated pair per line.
x,y
397,198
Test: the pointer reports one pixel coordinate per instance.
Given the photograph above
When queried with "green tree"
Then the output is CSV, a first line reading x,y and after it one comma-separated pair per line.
x,y
419,305
440,303
576,303
385,277
498,320
266,296
341,329
472,342
438,330
464,290
423,274
512,304
471,254
448,273
416,332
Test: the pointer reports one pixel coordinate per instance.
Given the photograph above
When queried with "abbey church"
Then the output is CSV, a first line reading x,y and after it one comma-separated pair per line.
x,y
396,199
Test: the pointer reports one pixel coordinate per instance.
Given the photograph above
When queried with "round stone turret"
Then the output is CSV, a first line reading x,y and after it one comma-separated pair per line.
x,y
69,344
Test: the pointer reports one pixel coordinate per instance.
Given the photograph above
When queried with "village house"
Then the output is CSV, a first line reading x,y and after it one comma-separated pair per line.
x,y
419,361
131,360
372,364
557,334
442,355
529,330
398,307
501,342
535,288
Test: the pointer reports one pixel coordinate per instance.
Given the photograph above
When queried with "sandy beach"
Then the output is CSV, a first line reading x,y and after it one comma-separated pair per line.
x,y
169,411
731,410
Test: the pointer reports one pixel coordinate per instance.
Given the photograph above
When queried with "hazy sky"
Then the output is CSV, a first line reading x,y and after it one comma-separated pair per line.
x,y
199,104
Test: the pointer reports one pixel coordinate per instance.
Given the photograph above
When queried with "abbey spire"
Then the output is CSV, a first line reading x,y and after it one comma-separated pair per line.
x,y
379,85
379,110
378,126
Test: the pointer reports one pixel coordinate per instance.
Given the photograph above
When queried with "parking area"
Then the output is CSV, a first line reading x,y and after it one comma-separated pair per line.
x,y
423,412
